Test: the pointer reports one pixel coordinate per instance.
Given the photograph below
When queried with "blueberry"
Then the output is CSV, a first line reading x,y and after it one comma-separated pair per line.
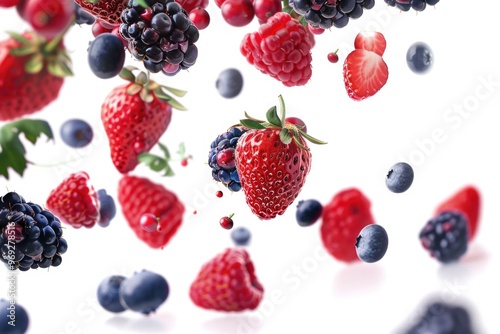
x,y
419,58
108,293
76,133
144,292
308,212
106,55
440,317
83,17
107,208
21,318
371,243
241,236
399,178
229,83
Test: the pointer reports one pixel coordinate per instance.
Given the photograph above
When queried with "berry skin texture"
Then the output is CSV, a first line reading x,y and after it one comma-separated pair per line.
x,y
371,41
108,293
227,283
467,201
264,9
106,55
22,320
241,236
75,201
144,292
281,48
419,58
343,217
229,83
76,133
227,222
17,86
445,236
400,177
308,212
48,20
137,195
133,126
365,73
238,13
371,244
333,57
200,17
107,208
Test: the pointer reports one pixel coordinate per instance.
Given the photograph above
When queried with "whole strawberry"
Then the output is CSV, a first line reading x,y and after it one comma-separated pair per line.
x,y
75,201
135,115
343,218
139,195
281,48
108,11
32,73
272,160
227,283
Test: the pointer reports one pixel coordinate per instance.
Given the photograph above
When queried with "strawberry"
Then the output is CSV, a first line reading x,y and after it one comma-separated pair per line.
x,y
135,115
343,218
139,195
75,201
370,41
467,201
365,73
227,283
272,160
105,10
32,73
281,48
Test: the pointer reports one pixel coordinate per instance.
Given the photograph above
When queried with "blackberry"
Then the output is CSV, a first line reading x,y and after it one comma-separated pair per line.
x,y
416,5
31,237
161,36
327,13
445,236
221,158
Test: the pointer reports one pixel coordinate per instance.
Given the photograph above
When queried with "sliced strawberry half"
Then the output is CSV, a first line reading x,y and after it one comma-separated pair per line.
x,y
365,73
467,201
370,41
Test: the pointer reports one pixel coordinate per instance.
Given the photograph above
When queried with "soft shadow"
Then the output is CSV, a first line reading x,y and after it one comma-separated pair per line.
x,y
159,323
230,324
473,262
358,278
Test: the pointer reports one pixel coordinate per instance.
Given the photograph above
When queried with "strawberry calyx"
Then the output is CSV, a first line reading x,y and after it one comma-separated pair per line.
x,y
288,131
149,89
42,54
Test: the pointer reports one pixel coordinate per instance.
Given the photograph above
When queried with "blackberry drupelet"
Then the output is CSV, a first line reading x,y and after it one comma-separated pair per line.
x,y
327,13
161,36
445,236
31,237
221,158
406,5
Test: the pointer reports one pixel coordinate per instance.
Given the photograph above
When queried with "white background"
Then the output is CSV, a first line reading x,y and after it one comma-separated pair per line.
x,y
317,293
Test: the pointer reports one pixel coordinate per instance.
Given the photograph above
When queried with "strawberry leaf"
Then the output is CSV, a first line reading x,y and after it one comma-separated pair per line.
x,y
251,124
175,91
13,151
165,151
158,163
272,117
143,3
285,136
126,73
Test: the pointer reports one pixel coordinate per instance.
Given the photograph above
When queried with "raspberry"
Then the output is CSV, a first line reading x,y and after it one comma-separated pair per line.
x,y
227,283
30,237
281,48
445,236
342,220
221,158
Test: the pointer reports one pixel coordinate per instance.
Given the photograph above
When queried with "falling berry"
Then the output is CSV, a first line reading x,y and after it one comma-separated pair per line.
x,y
333,57
219,194
149,222
184,162
227,222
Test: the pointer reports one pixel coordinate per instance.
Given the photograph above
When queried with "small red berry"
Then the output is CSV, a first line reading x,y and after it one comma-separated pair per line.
x,y
316,30
149,222
333,57
98,28
8,3
49,18
297,122
200,17
227,222
238,13
184,162
219,194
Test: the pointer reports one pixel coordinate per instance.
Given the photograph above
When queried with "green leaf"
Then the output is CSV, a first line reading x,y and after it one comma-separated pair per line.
x,y
285,136
182,150
23,51
167,98
154,162
142,78
126,73
12,153
311,138
142,3
272,117
18,37
35,64
175,91
252,124
165,151
282,108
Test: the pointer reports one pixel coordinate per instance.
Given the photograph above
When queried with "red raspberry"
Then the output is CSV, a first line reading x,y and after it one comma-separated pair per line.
x,y
139,195
227,283
75,201
281,48
342,220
